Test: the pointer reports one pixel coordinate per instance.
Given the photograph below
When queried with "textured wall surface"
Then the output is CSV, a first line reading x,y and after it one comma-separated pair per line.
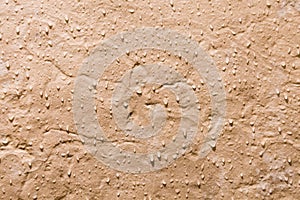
x,y
49,144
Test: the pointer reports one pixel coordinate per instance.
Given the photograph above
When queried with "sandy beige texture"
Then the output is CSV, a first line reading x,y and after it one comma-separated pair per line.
x,y
255,46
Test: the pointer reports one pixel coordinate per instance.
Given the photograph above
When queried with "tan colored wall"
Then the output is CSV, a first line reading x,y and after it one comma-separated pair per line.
x,y
46,48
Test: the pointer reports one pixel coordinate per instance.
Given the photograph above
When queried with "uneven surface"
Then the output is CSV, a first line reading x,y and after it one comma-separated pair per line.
x,y
255,47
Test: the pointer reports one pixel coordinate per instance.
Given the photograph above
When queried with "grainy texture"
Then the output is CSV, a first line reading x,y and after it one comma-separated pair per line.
x,y
254,45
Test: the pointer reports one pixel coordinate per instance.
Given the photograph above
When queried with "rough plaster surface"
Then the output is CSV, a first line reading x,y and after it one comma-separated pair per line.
x,y
253,44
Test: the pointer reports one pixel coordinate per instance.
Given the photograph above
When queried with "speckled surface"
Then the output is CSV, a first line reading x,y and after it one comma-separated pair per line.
x,y
255,48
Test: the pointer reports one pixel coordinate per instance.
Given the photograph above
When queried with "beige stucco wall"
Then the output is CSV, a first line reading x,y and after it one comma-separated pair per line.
x,y
254,46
